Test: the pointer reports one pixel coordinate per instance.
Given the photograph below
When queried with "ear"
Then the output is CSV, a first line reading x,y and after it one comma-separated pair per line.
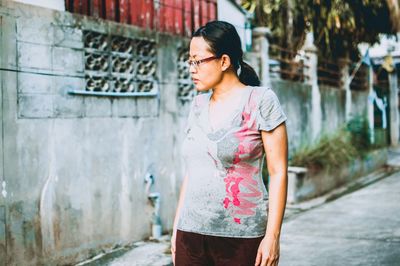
x,y
225,62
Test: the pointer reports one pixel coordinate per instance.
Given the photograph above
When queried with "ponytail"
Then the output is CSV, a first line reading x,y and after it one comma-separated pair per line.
x,y
247,75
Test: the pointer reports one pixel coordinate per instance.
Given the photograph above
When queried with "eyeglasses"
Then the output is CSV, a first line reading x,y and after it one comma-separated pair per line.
x,y
197,63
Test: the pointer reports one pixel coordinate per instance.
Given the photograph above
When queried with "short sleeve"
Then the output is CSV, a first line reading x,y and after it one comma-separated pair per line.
x,y
269,113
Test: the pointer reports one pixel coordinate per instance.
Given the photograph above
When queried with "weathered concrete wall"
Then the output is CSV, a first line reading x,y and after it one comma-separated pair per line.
x,y
75,165
359,100
333,103
296,100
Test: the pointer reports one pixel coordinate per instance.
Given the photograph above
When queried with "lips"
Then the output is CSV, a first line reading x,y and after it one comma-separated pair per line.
x,y
195,80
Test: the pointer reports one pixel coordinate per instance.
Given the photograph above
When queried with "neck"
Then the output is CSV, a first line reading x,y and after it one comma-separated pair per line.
x,y
227,86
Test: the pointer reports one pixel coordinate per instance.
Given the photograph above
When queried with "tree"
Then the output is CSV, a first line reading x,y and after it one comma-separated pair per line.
x,y
338,25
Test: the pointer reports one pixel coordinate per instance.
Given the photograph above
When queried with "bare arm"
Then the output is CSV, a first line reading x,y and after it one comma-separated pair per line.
x,y
275,145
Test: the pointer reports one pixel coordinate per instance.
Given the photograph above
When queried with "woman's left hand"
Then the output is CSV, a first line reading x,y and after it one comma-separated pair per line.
x,y
268,252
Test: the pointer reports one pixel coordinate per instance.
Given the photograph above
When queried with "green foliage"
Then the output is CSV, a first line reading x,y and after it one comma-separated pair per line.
x,y
338,25
330,151
360,134
333,150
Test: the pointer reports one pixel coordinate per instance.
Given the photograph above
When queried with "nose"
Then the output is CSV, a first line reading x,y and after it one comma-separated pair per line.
x,y
192,69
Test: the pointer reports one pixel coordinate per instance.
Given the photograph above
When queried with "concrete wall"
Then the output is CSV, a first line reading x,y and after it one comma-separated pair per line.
x,y
333,103
296,99
359,102
74,166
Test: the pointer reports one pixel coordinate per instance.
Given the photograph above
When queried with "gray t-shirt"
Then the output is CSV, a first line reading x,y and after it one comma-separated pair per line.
x,y
225,194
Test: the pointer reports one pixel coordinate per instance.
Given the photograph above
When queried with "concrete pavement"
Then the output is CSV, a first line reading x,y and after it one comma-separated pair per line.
x,y
361,228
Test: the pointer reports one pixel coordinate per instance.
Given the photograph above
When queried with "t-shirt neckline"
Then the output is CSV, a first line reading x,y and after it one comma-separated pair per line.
x,y
236,111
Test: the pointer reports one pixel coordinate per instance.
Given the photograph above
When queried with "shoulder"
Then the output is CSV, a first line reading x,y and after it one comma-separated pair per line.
x,y
270,113
264,91
262,95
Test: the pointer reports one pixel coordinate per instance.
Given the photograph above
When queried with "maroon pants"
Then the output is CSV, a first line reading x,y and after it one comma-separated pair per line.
x,y
194,249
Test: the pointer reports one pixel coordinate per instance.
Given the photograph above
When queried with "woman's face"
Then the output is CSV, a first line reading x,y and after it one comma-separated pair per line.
x,y
207,74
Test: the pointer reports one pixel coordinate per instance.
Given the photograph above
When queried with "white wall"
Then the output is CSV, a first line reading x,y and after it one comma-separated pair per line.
x,y
53,4
229,12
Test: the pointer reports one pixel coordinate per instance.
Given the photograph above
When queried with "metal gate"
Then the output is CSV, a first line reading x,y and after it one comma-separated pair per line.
x,y
180,17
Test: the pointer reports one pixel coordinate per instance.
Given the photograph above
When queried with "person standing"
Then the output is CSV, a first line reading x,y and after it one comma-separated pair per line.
x,y
225,215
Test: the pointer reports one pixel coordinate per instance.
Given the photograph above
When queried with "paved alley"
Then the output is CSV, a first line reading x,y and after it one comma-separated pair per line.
x,y
361,228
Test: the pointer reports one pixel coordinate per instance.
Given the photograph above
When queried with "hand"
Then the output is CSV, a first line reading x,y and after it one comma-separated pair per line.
x,y
173,245
268,252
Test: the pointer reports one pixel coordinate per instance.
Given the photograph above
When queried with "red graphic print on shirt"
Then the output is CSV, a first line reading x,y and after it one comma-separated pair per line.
x,y
241,174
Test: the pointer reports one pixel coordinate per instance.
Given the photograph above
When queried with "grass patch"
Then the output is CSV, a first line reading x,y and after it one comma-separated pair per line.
x,y
333,150
330,151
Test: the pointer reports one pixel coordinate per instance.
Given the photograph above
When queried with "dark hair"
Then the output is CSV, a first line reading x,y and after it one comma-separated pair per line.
x,y
223,38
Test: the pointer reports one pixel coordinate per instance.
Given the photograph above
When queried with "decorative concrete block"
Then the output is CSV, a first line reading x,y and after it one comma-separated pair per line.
x,y
68,60
35,106
32,55
34,83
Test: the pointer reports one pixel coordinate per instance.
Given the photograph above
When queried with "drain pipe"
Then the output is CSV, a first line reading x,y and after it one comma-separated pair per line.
x,y
154,198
